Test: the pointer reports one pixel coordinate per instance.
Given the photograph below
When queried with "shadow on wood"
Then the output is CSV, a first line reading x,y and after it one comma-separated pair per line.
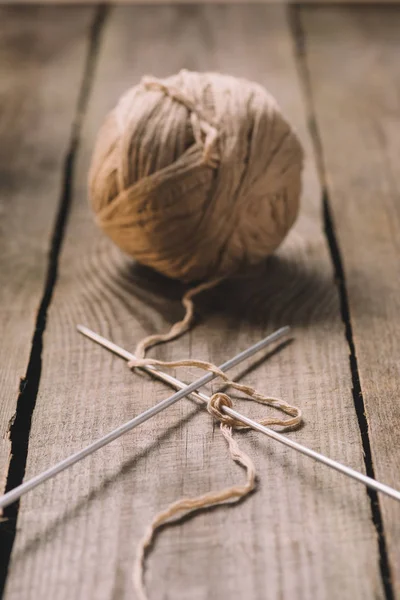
x,y
277,291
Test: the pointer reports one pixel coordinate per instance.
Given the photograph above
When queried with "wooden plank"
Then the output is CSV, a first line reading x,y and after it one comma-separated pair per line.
x,y
358,116
307,532
228,2
36,116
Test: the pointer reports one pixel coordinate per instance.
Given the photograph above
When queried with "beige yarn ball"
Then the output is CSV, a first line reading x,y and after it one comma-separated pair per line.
x,y
196,175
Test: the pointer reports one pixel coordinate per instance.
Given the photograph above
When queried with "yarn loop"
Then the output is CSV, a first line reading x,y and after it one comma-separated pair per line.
x,y
214,407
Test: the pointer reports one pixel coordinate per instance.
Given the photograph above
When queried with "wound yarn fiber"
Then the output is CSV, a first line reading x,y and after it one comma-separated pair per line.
x,y
196,175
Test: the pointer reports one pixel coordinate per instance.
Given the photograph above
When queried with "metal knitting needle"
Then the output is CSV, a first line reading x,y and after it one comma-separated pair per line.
x,y
368,481
184,390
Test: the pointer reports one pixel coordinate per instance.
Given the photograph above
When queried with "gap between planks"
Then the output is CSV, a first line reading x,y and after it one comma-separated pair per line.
x,y
336,257
20,426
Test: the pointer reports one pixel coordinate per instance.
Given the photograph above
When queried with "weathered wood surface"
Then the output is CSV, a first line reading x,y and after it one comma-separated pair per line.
x,y
37,109
358,116
307,532
228,2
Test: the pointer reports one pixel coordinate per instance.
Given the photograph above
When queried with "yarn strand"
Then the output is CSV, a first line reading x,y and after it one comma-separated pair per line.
x,y
227,423
189,505
178,328
215,401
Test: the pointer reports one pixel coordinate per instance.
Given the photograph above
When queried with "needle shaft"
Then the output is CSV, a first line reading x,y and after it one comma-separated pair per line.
x,y
184,390
333,464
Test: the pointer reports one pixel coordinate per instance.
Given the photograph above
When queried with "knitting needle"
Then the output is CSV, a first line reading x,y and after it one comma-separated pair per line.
x,y
184,390
368,481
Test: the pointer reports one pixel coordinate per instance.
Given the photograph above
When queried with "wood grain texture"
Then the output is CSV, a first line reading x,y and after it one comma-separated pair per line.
x,y
358,115
205,2
36,116
307,532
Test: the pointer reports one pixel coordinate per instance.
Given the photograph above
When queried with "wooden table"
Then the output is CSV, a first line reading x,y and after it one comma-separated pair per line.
x,y
307,533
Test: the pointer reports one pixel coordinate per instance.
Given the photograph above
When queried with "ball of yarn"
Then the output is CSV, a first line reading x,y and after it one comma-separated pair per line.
x,y
196,175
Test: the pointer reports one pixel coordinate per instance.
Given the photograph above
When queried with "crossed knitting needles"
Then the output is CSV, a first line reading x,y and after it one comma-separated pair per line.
x,y
189,390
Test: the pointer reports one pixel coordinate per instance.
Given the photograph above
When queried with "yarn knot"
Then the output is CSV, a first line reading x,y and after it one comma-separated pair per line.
x,y
215,405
